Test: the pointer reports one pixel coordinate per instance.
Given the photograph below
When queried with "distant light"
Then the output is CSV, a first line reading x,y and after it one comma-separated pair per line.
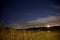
x,y
48,26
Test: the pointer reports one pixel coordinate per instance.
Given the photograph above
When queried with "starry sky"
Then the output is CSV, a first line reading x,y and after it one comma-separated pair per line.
x,y
21,11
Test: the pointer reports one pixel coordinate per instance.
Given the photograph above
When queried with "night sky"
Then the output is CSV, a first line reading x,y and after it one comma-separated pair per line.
x,y
21,11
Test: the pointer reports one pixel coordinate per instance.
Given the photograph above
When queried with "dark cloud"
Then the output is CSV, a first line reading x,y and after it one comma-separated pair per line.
x,y
57,2
56,7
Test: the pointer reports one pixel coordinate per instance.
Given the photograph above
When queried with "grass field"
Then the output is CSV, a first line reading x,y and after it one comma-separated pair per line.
x,y
13,34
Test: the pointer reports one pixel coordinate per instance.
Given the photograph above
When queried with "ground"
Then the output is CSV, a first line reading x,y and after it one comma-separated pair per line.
x,y
13,34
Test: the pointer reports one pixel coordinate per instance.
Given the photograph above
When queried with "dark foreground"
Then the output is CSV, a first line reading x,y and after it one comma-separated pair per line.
x,y
29,34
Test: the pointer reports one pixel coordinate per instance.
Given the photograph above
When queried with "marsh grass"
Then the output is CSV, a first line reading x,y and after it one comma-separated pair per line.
x,y
13,34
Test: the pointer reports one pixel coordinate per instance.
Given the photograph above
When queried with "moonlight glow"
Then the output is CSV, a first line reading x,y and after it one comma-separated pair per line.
x,y
48,26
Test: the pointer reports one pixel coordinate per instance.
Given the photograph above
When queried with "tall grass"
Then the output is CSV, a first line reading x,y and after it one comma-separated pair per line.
x,y
13,34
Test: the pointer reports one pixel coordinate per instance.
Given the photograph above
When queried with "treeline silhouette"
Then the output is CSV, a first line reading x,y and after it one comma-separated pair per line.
x,y
52,28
